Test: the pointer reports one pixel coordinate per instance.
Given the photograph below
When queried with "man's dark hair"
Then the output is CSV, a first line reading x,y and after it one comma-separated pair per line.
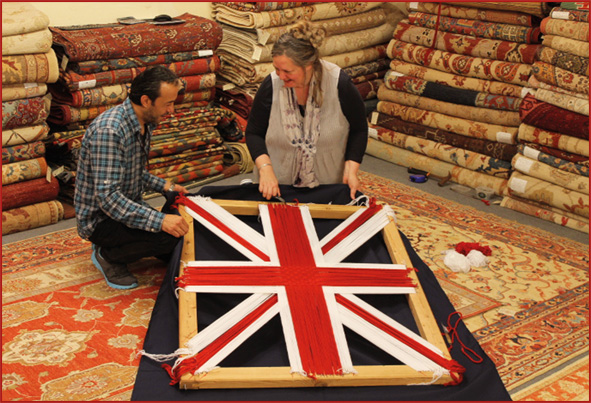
x,y
148,83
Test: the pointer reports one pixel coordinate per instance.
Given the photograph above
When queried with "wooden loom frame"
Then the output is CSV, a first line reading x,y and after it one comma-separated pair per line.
x,y
281,377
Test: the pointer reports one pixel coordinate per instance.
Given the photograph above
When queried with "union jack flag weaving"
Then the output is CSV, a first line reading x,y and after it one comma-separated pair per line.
x,y
303,279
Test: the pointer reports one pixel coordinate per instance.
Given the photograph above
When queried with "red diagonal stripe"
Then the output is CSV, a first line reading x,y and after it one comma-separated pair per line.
x,y
195,362
356,223
221,226
450,365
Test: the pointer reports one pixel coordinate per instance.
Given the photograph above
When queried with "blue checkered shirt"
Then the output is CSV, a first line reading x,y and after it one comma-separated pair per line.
x,y
112,174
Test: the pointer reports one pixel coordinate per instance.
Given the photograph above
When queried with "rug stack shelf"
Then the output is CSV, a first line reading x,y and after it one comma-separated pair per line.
x,y
98,64
450,102
29,190
551,170
357,36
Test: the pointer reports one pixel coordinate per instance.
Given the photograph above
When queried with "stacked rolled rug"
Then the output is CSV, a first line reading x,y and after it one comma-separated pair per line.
x,y
29,190
450,102
551,170
98,64
357,36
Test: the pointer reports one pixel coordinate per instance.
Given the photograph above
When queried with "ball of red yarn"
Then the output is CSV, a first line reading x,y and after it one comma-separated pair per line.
x,y
465,247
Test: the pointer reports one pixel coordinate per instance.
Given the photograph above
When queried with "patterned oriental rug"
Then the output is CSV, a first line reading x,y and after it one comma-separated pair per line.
x,y
67,336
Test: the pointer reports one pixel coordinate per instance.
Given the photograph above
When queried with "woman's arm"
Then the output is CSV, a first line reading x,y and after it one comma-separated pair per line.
x,y
256,131
353,108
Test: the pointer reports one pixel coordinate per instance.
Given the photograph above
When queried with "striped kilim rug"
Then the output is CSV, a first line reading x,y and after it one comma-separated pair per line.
x,y
67,336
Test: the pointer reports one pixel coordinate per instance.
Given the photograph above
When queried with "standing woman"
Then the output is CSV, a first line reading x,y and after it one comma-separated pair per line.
x,y
307,125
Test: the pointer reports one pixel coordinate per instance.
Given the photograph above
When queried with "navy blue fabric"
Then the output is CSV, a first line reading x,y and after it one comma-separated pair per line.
x,y
267,348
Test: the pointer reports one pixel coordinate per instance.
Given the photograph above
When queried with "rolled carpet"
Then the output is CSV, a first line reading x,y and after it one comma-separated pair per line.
x,y
29,192
31,216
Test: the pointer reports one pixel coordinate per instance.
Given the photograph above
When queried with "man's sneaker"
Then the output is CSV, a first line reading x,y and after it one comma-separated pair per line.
x,y
116,275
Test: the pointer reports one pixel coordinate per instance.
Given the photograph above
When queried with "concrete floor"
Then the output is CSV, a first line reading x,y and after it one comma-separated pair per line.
x,y
377,167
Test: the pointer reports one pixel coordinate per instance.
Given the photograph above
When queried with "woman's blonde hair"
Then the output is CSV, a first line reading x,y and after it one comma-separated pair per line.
x,y
300,43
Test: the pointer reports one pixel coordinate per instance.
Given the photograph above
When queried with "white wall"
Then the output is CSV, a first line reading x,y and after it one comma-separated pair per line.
x,y
80,13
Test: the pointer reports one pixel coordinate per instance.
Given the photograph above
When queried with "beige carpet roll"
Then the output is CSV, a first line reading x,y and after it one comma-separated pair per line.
x,y
547,213
31,216
239,154
443,152
24,170
22,135
537,169
30,68
312,12
459,175
21,91
31,42
531,134
455,80
465,127
485,115
574,104
544,192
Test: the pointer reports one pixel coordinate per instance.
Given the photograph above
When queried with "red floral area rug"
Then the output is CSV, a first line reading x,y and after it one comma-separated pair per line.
x,y
528,308
66,335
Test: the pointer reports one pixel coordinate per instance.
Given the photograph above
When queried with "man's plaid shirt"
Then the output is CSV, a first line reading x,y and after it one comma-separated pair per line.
x,y
112,173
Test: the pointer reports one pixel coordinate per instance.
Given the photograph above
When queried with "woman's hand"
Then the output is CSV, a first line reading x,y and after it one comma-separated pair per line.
x,y
350,177
268,183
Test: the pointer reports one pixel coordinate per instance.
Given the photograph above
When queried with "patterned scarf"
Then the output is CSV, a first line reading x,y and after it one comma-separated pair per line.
x,y
302,134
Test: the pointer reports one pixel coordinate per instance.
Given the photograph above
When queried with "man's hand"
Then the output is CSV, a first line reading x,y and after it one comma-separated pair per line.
x,y
180,189
173,187
175,225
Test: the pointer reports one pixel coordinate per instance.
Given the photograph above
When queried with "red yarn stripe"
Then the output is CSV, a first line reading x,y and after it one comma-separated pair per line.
x,y
311,319
272,276
218,224
195,362
450,365
347,277
363,217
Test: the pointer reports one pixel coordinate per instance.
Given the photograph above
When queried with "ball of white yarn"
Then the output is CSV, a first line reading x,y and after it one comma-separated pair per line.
x,y
477,258
456,261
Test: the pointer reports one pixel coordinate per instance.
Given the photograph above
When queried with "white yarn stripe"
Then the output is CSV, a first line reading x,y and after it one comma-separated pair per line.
x,y
357,238
338,331
220,326
383,266
241,228
319,258
269,237
225,322
374,290
228,263
390,345
238,340
293,353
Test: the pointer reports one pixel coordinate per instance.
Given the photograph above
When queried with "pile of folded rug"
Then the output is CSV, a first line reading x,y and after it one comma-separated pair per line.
x,y
551,169
451,99
98,64
29,190
357,37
